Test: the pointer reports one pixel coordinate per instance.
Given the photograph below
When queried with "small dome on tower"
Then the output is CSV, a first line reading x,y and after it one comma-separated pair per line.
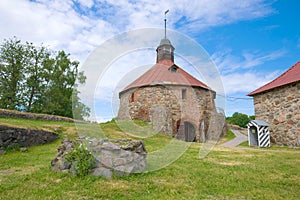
x,y
165,41
165,51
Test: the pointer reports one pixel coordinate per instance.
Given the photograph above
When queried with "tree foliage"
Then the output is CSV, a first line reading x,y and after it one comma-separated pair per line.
x,y
35,79
11,73
239,119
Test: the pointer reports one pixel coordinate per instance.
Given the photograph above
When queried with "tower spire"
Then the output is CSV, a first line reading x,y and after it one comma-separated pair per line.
x,y
165,50
166,23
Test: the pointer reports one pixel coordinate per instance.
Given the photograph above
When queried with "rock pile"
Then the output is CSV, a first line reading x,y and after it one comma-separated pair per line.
x,y
121,157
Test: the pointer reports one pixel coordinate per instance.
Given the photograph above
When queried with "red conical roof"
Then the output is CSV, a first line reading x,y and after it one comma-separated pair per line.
x,y
290,76
161,74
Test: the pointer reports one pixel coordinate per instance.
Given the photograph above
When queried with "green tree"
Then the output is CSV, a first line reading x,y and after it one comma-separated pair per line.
x,y
79,109
11,73
39,80
35,76
239,119
62,74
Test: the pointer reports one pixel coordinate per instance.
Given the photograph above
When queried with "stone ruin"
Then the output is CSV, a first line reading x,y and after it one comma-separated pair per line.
x,y
120,157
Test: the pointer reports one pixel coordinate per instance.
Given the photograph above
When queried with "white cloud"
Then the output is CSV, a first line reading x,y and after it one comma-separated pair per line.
x,y
72,24
86,3
240,74
79,26
246,82
228,63
54,23
206,13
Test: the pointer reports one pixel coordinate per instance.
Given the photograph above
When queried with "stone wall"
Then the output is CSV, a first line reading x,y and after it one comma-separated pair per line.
x,y
121,157
167,108
33,116
11,137
280,107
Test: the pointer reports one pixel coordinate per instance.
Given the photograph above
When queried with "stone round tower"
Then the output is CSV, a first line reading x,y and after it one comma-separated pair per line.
x,y
169,98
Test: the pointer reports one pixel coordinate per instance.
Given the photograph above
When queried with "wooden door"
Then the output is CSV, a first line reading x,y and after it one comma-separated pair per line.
x,y
189,132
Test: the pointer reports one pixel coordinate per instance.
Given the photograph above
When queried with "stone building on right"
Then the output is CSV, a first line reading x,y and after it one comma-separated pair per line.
x,y
278,103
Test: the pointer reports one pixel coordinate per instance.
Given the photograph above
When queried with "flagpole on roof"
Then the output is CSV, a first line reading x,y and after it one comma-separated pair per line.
x,y
166,22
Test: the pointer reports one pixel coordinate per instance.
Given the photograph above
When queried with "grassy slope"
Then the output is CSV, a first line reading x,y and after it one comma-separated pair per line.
x,y
224,174
229,136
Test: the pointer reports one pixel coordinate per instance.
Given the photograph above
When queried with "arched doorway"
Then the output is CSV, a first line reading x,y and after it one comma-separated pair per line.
x,y
189,132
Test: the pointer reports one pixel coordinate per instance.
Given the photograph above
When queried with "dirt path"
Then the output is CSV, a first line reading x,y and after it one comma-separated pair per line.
x,y
242,138
236,141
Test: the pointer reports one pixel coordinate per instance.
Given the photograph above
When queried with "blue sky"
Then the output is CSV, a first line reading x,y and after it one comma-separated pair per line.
x,y
251,42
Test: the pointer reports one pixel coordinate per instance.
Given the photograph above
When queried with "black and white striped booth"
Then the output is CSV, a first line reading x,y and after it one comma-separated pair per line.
x,y
258,133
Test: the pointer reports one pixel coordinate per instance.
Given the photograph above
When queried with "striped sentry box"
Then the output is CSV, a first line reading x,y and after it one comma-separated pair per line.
x,y
258,133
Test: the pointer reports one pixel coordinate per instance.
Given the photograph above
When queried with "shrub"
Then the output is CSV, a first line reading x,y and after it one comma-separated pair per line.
x,y
239,119
81,159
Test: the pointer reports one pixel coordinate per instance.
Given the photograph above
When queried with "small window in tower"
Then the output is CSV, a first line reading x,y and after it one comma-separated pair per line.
x,y
173,69
183,93
133,97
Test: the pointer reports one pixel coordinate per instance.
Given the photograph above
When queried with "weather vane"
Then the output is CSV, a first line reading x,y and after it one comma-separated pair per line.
x,y
166,22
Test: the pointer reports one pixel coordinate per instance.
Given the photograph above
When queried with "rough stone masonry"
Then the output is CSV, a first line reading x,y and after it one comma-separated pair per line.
x,y
280,107
164,107
23,137
121,157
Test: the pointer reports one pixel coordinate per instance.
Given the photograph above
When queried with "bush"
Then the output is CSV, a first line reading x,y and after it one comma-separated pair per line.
x,y
239,119
81,159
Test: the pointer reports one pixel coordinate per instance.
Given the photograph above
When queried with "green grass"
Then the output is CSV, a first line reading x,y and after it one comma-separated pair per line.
x,y
224,174
244,144
57,127
229,136
272,147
